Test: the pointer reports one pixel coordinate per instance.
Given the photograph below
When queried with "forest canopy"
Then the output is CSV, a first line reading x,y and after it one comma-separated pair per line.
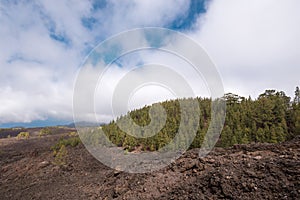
x,y
273,117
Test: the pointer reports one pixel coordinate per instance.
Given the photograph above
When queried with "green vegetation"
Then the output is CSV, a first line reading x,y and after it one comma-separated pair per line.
x,y
60,156
45,131
271,118
59,149
73,134
23,135
72,141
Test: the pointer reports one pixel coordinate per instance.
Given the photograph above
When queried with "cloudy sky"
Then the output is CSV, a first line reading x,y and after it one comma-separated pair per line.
x,y
255,45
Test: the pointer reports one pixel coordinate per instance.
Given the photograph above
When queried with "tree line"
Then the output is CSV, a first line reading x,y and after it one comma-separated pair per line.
x,y
273,117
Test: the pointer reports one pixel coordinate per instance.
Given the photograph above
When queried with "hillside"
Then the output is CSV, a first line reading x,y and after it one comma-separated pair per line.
x,y
256,156
273,117
257,171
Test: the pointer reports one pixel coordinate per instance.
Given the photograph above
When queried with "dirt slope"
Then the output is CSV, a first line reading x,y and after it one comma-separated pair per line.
x,y
260,171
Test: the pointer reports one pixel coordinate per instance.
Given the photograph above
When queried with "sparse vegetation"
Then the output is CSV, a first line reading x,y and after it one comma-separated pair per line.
x,y
45,131
24,135
256,171
73,141
126,152
60,155
73,134
60,151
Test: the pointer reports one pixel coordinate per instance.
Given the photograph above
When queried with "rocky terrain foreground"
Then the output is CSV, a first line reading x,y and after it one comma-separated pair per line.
x,y
258,171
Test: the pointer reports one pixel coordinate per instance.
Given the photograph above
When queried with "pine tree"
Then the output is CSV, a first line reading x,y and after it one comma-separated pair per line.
x,y
270,118
297,96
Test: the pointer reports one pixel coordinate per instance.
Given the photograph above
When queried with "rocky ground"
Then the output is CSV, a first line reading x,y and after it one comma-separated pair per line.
x,y
258,171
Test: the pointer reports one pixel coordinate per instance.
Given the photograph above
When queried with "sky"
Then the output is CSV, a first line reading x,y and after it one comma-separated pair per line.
x,y
255,45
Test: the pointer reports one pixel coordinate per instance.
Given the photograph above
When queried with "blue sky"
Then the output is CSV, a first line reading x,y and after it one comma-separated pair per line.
x,y
255,45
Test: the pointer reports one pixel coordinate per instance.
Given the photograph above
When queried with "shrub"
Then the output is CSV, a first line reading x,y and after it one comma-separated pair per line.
x,y
23,135
126,152
73,134
60,151
74,141
45,131
60,156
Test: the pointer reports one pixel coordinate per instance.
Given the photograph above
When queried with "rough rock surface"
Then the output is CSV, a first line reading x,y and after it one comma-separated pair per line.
x,y
257,171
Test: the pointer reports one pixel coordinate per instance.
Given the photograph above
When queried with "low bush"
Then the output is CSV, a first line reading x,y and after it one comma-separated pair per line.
x,y
73,141
61,156
60,151
45,131
73,134
24,135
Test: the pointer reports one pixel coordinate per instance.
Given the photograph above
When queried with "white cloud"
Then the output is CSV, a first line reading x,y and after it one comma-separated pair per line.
x,y
36,72
166,81
255,44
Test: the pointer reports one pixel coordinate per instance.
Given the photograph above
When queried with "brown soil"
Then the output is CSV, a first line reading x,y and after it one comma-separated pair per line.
x,y
258,171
